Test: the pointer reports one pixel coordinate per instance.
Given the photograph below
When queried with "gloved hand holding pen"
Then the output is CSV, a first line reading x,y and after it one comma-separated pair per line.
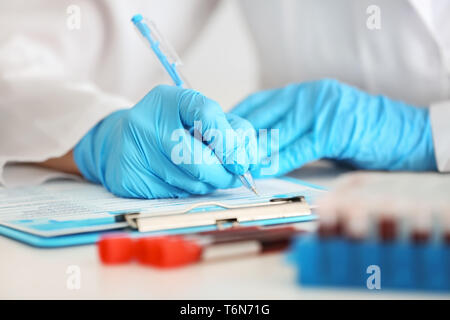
x,y
130,152
328,119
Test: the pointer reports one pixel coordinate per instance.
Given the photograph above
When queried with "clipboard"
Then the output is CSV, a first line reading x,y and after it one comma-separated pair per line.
x,y
277,208
201,216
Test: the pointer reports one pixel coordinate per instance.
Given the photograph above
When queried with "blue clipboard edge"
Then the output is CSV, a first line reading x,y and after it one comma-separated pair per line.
x,y
92,237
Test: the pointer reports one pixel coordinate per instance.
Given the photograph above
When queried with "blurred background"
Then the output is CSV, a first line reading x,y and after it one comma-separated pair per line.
x,y
237,72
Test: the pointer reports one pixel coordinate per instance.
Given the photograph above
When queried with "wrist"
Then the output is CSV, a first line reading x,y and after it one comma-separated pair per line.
x,y
403,140
381,134
415,150
428,162
64,163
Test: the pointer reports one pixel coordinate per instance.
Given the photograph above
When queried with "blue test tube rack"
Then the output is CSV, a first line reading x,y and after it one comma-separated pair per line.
x,y
339,261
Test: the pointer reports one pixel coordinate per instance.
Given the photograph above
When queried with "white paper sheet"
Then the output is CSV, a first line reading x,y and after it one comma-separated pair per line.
x,y
71,200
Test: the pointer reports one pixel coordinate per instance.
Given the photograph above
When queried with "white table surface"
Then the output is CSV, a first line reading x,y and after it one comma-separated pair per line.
x,y
27,272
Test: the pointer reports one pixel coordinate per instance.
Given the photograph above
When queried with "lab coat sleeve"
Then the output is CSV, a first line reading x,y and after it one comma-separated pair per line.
x,y
43,113
440,126
51,91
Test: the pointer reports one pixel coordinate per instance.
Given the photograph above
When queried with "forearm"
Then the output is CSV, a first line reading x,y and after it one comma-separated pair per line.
x,y
64,163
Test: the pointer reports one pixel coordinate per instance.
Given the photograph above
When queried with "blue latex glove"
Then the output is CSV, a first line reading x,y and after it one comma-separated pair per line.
x,y
130,152
327,119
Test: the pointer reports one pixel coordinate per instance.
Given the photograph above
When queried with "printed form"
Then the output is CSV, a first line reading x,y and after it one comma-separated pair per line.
x,y
58,205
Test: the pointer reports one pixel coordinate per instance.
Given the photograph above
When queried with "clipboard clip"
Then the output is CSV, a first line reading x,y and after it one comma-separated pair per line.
x,y
221,216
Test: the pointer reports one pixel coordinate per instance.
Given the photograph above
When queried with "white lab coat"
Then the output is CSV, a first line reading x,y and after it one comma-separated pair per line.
x,y
55,84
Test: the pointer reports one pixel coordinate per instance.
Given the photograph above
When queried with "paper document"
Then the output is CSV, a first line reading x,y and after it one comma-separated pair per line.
x,y
51,208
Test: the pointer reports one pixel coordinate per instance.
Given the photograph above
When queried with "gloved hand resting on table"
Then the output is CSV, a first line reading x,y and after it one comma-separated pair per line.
x,y
328,119
139,152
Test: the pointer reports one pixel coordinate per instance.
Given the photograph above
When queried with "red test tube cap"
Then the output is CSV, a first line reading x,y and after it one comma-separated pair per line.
x,y
115,249
167,252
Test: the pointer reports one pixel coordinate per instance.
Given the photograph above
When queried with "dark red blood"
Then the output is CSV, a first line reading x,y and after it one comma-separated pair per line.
x,y
420,236
387,229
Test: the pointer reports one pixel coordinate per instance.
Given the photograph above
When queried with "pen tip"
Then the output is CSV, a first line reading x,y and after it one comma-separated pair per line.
x,y
255,191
